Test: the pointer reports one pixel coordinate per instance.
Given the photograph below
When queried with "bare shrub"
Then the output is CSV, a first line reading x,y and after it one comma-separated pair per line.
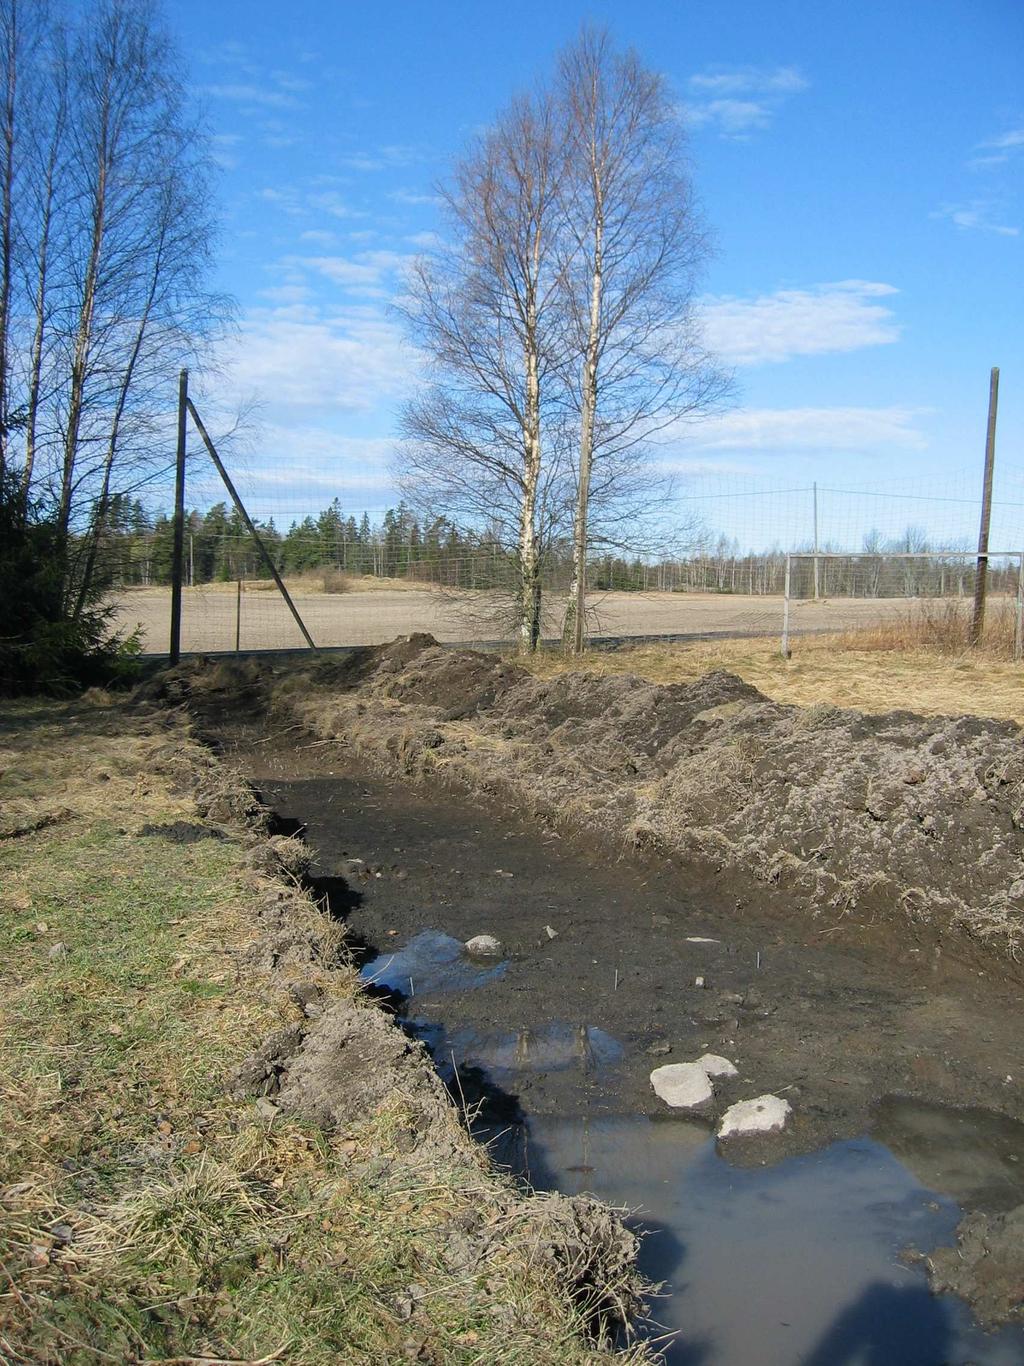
x,y
336,582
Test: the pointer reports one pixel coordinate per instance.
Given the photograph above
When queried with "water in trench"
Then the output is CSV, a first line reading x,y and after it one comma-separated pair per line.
x,y
792,1263
797,1262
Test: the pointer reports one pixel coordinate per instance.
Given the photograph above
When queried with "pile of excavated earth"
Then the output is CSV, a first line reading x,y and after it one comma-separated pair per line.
x,y
896,816
911,826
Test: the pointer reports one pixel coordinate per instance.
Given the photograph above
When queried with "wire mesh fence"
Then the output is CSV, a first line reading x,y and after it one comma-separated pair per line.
x,y
362,571
906,600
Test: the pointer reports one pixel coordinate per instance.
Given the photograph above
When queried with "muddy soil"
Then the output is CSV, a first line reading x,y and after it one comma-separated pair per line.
x,y
573,1024
914,821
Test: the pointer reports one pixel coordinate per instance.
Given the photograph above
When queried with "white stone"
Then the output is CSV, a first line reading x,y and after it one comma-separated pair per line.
x,y
699,939
762,1115
683,1085
484,946
716,1066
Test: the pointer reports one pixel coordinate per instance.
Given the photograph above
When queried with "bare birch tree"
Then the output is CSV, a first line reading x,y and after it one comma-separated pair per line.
x,y
480,312
633,249
106,238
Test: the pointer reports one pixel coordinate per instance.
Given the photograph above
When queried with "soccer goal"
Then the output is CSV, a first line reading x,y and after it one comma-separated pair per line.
x,y
945,598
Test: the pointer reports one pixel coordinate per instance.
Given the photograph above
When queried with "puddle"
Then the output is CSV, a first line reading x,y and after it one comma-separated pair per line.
x,y
430,962
550,1048
973,1156
794,1263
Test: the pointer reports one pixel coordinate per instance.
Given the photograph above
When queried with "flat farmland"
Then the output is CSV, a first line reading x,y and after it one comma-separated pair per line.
x,y
378,615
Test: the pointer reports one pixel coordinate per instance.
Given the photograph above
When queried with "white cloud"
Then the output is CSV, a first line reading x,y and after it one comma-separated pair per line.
x,y
1014,138
348,362
732,118
286,294
223,145
800,322
843,429
369,273
340,270
252,95
381,158
783,80
977,215
319,238
403,196
331,202
997,151
740,101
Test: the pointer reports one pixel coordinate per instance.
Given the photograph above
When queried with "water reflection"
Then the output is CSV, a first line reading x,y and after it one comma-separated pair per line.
x,y
554,1047
973,1156
430,962
795,1263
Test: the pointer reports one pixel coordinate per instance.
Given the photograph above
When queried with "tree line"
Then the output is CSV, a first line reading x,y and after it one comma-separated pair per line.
x,y
106,237
137,551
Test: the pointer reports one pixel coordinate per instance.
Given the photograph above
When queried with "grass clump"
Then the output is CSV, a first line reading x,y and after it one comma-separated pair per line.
x,y
147,1213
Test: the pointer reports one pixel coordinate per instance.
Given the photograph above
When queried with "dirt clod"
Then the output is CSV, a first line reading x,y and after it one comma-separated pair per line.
x,y
986,1268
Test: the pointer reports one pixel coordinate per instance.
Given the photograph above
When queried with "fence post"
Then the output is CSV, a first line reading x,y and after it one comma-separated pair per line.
x,y
786,652
980,582
238,616
1018,634
817,585
178,544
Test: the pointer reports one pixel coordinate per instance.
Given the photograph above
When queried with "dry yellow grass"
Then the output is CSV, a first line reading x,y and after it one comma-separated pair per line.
x,y
299,584
147,1212
841,671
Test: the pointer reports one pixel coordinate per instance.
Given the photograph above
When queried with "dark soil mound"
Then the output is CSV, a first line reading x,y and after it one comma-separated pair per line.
x,y
922,818
986,1268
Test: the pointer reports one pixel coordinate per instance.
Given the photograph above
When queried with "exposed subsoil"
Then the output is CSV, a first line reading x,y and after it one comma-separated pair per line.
x,y
831,1025
861,878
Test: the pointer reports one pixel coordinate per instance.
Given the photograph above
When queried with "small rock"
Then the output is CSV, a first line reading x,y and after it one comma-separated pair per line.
x,y
716,1066
266,1109
762,1115
698,982
551,934
483,946
656,1050
700,939
683,1085
58,950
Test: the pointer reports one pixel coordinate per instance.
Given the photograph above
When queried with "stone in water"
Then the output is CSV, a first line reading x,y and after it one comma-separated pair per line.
x,y
484,946
683,1085
716,1066
762,1115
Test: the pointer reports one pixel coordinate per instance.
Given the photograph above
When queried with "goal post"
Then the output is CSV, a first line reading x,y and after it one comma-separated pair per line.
x,y
903,597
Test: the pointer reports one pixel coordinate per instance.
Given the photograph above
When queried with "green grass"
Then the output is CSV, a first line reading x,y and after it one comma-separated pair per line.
x,y
145,1214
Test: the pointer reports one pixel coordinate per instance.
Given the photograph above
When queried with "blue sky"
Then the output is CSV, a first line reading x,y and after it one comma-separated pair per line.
x,y
861,168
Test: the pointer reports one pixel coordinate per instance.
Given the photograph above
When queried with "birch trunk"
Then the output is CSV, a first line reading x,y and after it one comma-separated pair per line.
x,y
103,501
6,227
35,376
576,610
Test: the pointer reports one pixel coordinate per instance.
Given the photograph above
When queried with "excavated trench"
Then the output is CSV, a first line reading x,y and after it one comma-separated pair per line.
x,y
795,1247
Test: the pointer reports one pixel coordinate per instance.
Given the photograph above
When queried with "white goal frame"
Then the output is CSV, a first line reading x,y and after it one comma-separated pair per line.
x,y
816,556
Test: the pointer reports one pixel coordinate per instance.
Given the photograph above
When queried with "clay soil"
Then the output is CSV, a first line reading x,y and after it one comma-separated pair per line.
x,y
832,1021
861,877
